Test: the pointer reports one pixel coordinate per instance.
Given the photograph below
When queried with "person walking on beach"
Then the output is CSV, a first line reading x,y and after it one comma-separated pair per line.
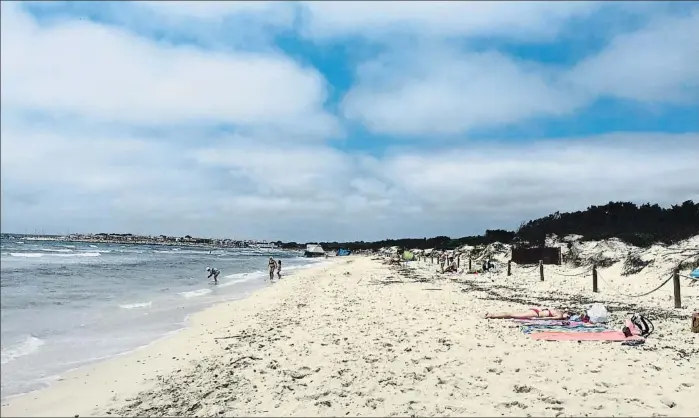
x,y
213,272
279,269
272,265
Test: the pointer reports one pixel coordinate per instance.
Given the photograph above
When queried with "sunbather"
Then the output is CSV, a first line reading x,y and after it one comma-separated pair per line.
x,y
451,268
548,313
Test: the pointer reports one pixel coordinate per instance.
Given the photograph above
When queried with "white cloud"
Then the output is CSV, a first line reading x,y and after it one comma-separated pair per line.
x,y
538,177
521,20
335,19
434,89
282,169
246,25
106,74
249,188
445,92
278,12
659,63
77,173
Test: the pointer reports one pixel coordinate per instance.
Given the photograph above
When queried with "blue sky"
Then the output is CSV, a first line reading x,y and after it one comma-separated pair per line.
x,y
341,120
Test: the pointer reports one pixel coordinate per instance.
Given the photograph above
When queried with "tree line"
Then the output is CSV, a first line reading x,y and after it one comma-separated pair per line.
x,y
641,226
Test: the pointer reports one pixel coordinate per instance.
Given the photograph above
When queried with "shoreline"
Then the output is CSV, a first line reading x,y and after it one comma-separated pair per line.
x,y
356,336
190,320
152,242
50,380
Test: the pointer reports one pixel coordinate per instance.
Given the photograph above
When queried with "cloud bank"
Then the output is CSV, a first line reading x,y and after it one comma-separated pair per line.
x,y
108,127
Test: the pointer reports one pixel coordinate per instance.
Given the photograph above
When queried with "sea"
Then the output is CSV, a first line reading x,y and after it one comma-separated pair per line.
x,y
68,304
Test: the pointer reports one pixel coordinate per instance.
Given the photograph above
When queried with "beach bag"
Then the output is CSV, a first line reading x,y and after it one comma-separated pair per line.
x,y
597,313
643,324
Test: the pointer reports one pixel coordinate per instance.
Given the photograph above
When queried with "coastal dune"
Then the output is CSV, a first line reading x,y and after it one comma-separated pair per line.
x,y
357,337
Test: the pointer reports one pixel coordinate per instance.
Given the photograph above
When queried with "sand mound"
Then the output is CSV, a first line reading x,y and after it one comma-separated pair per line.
x,y
607,253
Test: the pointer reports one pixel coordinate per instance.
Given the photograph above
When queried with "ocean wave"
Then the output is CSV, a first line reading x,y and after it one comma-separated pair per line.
x,y
55,254
136,305
27,255
195,293
241,277
57,250
131,251
26,347
93,246
179,251
258,274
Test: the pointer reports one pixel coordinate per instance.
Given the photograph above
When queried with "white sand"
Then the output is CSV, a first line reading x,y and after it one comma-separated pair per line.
x,y
335,341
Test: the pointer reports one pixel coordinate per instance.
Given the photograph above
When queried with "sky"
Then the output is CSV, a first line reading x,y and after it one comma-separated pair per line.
x,y
311,121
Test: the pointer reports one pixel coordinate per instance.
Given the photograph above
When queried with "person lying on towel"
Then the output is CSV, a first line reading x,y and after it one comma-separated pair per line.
x,y
548,313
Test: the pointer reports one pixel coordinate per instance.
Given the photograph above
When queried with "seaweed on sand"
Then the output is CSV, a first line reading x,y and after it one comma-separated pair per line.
x,y
572,257
633,264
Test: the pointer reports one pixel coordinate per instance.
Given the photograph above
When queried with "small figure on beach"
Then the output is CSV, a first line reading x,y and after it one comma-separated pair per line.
x,y
272,265
213,272
452,267
548,313
279,269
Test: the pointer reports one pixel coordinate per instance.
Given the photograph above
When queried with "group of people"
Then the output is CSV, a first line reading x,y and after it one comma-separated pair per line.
x,y
274,266
448,264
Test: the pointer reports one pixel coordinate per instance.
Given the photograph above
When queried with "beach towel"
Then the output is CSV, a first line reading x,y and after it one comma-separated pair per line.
x,y
535,321
576,328
584,336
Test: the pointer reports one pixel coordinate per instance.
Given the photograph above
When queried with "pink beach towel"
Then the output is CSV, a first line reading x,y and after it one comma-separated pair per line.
x,y
584,336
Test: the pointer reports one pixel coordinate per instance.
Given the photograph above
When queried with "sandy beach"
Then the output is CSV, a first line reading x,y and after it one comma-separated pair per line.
x,y
360,338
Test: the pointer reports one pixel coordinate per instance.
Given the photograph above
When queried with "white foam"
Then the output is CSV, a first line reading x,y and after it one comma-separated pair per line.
x,y
91,254
57,250
27,255
55,253
136,305
93,246
178,251
244,275
241,277
26,347
195,293
131,251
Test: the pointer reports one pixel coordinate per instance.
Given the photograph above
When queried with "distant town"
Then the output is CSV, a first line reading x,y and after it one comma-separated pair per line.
x,y
144,239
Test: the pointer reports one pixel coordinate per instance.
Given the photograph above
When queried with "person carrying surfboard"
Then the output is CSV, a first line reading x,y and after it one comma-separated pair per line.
x,y
213,272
